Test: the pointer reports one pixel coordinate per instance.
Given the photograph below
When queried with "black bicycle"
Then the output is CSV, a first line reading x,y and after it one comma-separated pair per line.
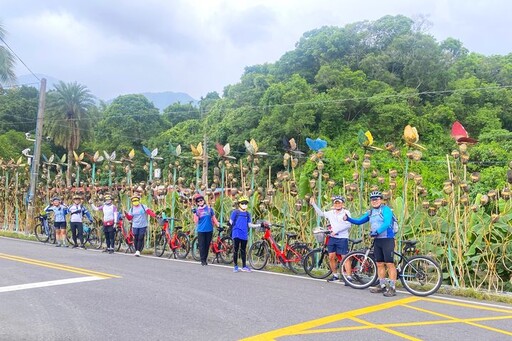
x,y
419,275
316,262
44,230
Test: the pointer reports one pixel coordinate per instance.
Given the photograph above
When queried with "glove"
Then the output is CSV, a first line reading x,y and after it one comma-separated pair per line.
x,y
373,234
194,210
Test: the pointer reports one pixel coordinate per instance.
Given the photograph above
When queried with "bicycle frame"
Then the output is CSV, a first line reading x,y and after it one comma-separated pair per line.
x,y
281,254
172,241
127,236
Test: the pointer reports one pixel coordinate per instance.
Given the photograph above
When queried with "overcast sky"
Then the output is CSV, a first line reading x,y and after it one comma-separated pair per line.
x,y
119,47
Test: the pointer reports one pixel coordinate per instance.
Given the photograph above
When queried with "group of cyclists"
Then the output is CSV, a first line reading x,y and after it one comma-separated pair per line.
x,y
379,216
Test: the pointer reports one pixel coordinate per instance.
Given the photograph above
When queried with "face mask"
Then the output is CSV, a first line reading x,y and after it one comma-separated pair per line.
x,y
135,203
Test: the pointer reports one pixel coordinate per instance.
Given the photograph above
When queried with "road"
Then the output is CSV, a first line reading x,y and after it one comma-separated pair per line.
x,y
50,293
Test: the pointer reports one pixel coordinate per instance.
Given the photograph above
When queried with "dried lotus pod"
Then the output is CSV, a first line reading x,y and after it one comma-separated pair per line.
x,y
475,176
393,173
484,199
455,154
366,163
425,204
505,193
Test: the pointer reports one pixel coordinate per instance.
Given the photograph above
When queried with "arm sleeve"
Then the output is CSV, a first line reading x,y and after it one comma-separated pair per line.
x,y
116,215
150,213
87,214
318,211
128,216
361,220
387,216
94,208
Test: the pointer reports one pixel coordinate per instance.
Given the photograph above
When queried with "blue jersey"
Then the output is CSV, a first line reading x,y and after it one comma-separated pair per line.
x,y
381,221
59,212
240,221
204,215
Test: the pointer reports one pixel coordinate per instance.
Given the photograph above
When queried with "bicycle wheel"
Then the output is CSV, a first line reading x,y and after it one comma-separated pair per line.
x,y
195,250
95,238
118,240
364,269
52,235
183,243
316,263
259,254
40,233
226,250
69,237
421,276
160,244
296,256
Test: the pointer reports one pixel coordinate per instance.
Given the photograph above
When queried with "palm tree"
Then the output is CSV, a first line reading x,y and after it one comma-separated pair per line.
x,y
69,118
6,60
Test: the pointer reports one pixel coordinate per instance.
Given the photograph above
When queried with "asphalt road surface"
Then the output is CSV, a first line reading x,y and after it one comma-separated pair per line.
x,y
49,293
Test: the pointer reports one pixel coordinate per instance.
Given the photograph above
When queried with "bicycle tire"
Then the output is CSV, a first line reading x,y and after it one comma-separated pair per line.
x,y
183,248
194,250
259,254
40,233
364,270
52,239
69,237
316,263
226,250
95,238
118,240
421,276
160,244
296,256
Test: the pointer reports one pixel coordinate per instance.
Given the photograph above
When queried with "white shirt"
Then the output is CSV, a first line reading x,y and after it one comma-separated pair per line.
x,y
340,228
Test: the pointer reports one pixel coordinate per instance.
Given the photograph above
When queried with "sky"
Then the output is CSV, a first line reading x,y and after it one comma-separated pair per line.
x,y
118,47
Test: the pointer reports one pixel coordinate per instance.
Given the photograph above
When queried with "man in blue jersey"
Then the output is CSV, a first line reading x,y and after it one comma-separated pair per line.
x,y
380,217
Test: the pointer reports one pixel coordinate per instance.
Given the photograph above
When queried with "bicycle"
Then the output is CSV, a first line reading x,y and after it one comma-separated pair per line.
x,y
44,231
221,246
178,242
419,275
316,262
91,235
291,256
122,237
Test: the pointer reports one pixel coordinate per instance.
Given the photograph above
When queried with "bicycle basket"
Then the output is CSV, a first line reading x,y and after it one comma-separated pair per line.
x,y
319,235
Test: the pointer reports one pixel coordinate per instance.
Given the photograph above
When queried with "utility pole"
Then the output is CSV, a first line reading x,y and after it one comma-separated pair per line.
x,y
205,161
34,172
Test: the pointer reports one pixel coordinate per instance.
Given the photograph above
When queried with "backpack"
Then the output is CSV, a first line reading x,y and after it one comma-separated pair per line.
x,y
394,220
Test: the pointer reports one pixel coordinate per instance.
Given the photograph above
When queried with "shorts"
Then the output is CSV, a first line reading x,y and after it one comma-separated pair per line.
x,y
59,225
338,245
383,250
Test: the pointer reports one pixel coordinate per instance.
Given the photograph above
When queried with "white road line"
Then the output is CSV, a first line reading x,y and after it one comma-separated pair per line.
x,y
48,283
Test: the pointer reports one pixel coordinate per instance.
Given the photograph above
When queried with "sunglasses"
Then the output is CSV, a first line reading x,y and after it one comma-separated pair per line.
x,y
244,203
375,199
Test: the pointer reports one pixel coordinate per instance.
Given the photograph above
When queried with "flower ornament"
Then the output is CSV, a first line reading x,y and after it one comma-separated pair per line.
x,y
197,152
460,135
252,148
224,151
412,137
365,140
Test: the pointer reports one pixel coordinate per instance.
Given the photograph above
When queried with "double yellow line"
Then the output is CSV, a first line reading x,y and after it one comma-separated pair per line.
x,y
57,266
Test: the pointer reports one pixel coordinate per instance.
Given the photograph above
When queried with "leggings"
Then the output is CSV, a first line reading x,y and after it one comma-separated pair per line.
x,y
138,236
241,245
109,232
77,229
203,243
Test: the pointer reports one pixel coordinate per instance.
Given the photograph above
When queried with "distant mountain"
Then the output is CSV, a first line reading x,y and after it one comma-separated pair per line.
x,y
161,100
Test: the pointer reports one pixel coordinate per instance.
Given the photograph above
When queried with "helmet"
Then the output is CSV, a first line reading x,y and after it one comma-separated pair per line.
x,y
338,198
376,194
135,198
198,197
76,196
55,198
243,199
107,197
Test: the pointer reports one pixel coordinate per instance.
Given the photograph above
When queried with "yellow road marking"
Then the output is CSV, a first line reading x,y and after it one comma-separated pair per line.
x,y
459,320
302,327
468,305
57,266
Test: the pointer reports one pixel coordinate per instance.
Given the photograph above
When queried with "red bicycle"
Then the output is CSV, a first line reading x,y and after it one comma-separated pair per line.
x,y
291,256
178,242
123,237
222,248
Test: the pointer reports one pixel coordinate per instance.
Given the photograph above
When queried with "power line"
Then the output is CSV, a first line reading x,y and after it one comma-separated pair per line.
x,y
21,60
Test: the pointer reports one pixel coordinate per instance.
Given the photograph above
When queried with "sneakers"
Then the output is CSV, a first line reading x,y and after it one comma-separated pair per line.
x,y
333,278
390,292
349,279
57,245
246,269
111,251
74,247
105,250
236,269
377,290
137,253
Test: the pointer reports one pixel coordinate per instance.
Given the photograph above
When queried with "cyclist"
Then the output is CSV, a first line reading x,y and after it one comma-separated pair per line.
x,y
110,218
340,228
239,221
380,217
77,211
59,220
204,218
138,215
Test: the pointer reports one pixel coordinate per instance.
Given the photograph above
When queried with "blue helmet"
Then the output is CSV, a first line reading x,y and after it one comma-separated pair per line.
x,y
338,198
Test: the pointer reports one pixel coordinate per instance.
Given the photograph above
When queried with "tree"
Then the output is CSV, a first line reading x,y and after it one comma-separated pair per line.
x,y
6,60
69,118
